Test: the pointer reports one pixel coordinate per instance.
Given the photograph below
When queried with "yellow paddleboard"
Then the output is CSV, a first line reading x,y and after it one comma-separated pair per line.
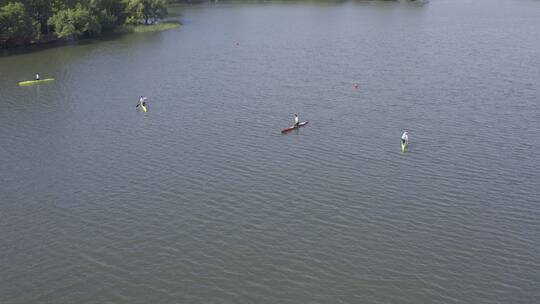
x,y
144,108
403,146
33,82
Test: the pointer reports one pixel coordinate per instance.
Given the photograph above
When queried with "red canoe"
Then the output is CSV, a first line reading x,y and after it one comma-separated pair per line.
x,y
294,127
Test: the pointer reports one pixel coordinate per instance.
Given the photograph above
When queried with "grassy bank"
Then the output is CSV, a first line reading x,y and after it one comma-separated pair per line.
x,y
146,28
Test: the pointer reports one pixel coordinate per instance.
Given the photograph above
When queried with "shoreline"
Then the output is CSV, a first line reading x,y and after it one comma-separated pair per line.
x,y
48,41
150,28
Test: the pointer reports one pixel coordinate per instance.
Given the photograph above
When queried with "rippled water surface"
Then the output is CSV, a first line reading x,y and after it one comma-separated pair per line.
x,y
202,200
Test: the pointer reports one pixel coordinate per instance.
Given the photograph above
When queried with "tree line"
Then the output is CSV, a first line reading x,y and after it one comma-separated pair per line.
x,y
26,21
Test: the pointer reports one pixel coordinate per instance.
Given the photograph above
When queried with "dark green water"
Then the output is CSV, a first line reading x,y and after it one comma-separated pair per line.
x,y
202,200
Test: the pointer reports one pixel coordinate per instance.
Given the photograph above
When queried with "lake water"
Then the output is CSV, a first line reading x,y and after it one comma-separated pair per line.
x,y
203,200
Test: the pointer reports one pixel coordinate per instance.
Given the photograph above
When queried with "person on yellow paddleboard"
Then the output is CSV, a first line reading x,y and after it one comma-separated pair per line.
x,y
405,138
37,76
142,103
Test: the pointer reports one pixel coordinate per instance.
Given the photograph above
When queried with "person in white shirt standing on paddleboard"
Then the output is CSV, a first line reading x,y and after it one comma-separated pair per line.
x,y
296,121
142,103
37,76
405,138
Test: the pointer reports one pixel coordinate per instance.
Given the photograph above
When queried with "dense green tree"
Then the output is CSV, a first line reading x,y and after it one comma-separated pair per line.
x,y
107,12
154,10
148,11
75,22
133,11
23,21
16,24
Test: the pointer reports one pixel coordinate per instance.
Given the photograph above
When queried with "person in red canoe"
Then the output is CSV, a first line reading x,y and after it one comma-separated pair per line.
x,y
296,120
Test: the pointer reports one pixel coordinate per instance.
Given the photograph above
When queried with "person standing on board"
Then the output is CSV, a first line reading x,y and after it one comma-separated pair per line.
x,y
142,101
405,138
296,120
37,76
